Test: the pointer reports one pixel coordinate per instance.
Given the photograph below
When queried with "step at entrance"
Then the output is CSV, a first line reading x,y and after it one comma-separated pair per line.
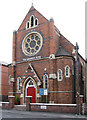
x,y
20,107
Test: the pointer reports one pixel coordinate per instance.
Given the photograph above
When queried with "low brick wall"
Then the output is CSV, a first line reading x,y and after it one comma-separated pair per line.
x,y
60,108
4,105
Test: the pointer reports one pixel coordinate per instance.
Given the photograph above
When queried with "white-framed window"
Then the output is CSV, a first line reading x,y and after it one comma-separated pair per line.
x,y
27,25
32,22
18,84
45,81
67,71
59,75
36,22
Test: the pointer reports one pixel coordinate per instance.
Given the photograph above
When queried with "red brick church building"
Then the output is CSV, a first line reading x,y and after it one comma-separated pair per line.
x,y
43,58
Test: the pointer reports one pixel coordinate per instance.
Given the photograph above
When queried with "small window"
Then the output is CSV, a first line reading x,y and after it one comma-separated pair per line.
x,y
32,21
67,71
27,25
31,82
45,81
36,22
19,81
59,75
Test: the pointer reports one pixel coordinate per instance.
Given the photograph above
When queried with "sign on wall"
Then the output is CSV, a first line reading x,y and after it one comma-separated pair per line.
x,y
43,91
43,107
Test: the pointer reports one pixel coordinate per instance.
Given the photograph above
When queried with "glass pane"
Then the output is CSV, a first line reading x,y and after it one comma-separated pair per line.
x,y
30,83
28,40
28,50
37,48
32,44
32,19
36,38
26,45
60,75
46,81
46,85
32,50
32,37
38,42
28,25
36,22
19,83
66,71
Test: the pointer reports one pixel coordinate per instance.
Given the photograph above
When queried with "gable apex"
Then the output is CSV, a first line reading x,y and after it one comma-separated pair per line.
x,y
32,8
36,13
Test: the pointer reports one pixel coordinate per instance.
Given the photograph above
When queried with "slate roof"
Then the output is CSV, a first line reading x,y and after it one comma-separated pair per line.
x,y
62,51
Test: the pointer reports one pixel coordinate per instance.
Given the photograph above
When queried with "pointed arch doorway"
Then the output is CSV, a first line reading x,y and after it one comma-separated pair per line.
x,y
30,89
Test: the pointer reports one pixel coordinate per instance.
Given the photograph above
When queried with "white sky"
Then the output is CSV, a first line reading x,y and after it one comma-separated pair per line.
x,y
69,18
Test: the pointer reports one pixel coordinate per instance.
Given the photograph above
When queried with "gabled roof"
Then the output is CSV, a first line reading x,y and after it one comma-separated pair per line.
x,y
32,73
62,51
30,10
35,74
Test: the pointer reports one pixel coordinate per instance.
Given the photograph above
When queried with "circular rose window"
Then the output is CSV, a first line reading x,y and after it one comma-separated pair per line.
x,y
32,44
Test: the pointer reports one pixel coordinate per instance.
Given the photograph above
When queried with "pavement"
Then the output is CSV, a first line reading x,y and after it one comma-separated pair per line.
x,y
37,115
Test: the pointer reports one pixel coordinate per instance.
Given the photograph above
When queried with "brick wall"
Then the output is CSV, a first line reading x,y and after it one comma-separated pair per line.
x,y
59,91
4,80
60,108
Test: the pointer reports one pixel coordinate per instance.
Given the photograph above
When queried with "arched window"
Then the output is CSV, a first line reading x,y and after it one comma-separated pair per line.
x,y
59,75
18,84
67,71
27,25
36,22
32,21
45,81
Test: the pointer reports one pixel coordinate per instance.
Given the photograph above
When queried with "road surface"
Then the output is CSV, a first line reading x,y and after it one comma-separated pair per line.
x,y
14,114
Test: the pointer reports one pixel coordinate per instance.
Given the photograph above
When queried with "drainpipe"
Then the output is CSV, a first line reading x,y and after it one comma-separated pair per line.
x,y
77,78
74,83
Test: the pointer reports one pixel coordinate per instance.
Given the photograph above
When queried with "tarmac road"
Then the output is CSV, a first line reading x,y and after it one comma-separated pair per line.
x,y
14,115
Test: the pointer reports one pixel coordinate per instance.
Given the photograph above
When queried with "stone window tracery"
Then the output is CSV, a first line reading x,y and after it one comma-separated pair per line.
x,y
31,82
32,44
